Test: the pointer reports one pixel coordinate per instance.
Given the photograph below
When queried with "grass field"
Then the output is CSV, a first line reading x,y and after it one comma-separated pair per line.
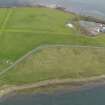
x,y
23,29
58,63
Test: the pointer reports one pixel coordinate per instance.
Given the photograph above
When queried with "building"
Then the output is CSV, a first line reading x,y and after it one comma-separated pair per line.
x,y
99,28
102,29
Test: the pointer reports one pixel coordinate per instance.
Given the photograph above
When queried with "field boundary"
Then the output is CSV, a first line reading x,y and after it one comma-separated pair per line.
x,y
31,31
42,47
6,19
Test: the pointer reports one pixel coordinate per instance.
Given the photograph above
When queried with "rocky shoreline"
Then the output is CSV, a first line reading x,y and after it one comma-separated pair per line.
x,y
73,83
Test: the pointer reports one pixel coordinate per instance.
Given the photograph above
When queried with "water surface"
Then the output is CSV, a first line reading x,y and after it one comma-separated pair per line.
x,y
92,7
92,96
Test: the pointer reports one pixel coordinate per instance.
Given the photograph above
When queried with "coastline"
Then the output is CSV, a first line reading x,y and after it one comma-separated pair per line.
x,y
74,84
92,81
78,17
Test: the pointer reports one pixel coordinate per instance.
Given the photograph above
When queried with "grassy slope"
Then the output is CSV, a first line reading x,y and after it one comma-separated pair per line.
x,y
58,62
27,28
27,24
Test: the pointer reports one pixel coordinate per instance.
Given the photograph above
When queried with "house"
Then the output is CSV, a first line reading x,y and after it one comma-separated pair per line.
x,y
99,28
102,29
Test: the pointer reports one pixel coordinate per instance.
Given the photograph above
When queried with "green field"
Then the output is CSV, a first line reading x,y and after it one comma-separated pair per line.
x,y
58,63
23,29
